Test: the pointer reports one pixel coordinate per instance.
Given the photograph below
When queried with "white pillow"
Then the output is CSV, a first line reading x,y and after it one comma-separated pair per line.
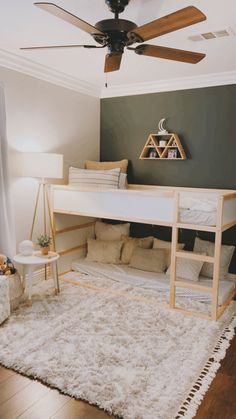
x,y
209,248
104,251
187,269
104,231
102,179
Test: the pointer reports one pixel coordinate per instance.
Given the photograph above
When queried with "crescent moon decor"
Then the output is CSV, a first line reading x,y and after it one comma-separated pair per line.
x,y
161,129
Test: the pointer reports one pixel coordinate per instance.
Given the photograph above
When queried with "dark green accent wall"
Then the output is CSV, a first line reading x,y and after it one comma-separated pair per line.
x,y
205,120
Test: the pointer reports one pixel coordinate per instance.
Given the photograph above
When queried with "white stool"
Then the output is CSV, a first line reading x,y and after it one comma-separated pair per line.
x,y
37,258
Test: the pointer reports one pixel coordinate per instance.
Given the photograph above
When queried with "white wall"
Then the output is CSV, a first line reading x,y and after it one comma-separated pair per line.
x,y
47,118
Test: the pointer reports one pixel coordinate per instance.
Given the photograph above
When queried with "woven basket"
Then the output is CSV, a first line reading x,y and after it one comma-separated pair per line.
x,y
16,290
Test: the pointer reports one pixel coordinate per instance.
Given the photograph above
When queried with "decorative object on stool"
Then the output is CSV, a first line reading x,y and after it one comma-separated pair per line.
x,y
44,242
4,299
26,248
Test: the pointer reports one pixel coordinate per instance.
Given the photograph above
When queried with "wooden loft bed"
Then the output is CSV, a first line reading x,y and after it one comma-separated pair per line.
x,y
157,205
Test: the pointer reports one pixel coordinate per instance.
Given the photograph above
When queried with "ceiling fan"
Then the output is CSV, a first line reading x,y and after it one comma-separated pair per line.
x,y
116,33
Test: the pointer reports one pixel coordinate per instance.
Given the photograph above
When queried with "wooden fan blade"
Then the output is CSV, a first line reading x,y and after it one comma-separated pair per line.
x,y
177,20
169,53
112,62
60,46
68,17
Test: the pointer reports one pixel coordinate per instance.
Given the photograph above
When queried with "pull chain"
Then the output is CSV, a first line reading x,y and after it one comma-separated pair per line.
x,y
106,85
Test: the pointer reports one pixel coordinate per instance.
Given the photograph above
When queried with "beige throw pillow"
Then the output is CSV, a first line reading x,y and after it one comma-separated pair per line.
x,y
104,231
107,165
188,268
152,260
162,244
209,248
104,251
129,245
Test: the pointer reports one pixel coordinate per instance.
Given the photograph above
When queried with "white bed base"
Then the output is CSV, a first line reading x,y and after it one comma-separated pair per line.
x,y
154,205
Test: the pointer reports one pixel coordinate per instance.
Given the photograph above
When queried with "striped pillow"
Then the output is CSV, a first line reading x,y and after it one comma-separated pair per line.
x,y
102,179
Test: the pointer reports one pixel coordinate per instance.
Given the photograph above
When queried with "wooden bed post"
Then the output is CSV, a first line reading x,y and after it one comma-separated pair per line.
x,y
217,256
174,242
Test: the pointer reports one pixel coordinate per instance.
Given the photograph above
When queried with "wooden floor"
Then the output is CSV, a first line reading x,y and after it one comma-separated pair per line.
x,y
23,398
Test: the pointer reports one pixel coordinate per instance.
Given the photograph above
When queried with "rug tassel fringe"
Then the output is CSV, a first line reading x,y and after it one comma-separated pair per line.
x,y
189,408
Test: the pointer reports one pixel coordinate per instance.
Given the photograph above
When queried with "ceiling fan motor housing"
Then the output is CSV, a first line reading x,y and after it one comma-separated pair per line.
x,y
115,31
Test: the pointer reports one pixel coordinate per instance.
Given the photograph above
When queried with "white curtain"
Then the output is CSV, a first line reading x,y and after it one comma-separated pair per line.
x,y
7,239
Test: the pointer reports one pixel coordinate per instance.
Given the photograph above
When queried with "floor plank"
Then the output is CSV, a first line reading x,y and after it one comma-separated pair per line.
x,y
22,400
12,386
46,406
76,409
5,374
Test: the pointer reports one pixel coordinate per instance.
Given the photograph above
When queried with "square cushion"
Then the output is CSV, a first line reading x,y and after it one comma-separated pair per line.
x,y
188,269
104,251
129,245
104,231
162,244
209,248
107,165
102,179
152,260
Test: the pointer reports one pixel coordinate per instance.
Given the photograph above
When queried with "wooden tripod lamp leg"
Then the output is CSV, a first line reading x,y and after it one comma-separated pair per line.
x,y
35,211
50,219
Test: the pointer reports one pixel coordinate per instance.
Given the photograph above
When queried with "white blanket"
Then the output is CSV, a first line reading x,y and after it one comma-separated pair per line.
x,y
157,282
199,202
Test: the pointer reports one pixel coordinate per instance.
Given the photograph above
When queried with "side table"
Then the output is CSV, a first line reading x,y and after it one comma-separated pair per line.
x,y
29,262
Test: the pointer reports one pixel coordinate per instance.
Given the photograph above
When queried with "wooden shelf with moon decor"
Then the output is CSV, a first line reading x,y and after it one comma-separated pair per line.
x,y
163,146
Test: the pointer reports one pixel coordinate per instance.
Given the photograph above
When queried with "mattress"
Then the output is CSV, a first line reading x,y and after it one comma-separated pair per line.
x,y
189,216
157,282
197,209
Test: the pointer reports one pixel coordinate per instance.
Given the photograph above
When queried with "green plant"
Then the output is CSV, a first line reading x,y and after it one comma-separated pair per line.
x,y
44,240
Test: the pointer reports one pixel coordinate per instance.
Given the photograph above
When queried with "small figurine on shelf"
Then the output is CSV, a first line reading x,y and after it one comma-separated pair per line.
x,y
153,153
44,242
173,153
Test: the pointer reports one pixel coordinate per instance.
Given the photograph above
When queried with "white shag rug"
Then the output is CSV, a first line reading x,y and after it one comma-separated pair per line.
x,y
133,359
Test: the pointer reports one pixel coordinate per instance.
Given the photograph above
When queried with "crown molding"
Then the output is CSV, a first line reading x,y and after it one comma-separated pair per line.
x,y
182,83
31,68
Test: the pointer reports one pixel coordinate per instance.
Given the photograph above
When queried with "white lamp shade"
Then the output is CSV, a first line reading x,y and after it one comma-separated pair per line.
x,y
41,165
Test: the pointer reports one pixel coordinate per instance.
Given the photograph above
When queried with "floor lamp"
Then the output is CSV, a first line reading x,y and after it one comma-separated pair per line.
x,y
43,166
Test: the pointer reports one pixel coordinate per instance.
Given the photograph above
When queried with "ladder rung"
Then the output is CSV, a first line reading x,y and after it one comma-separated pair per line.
x,y
192,313
195,256
194,286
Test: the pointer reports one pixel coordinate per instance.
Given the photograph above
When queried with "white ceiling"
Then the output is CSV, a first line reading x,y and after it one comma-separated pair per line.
x,y
23,24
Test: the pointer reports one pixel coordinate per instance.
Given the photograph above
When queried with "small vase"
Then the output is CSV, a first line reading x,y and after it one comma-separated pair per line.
x,y
45,250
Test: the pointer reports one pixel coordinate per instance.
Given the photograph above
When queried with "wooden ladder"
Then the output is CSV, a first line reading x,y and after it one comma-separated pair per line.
x,y
215,260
